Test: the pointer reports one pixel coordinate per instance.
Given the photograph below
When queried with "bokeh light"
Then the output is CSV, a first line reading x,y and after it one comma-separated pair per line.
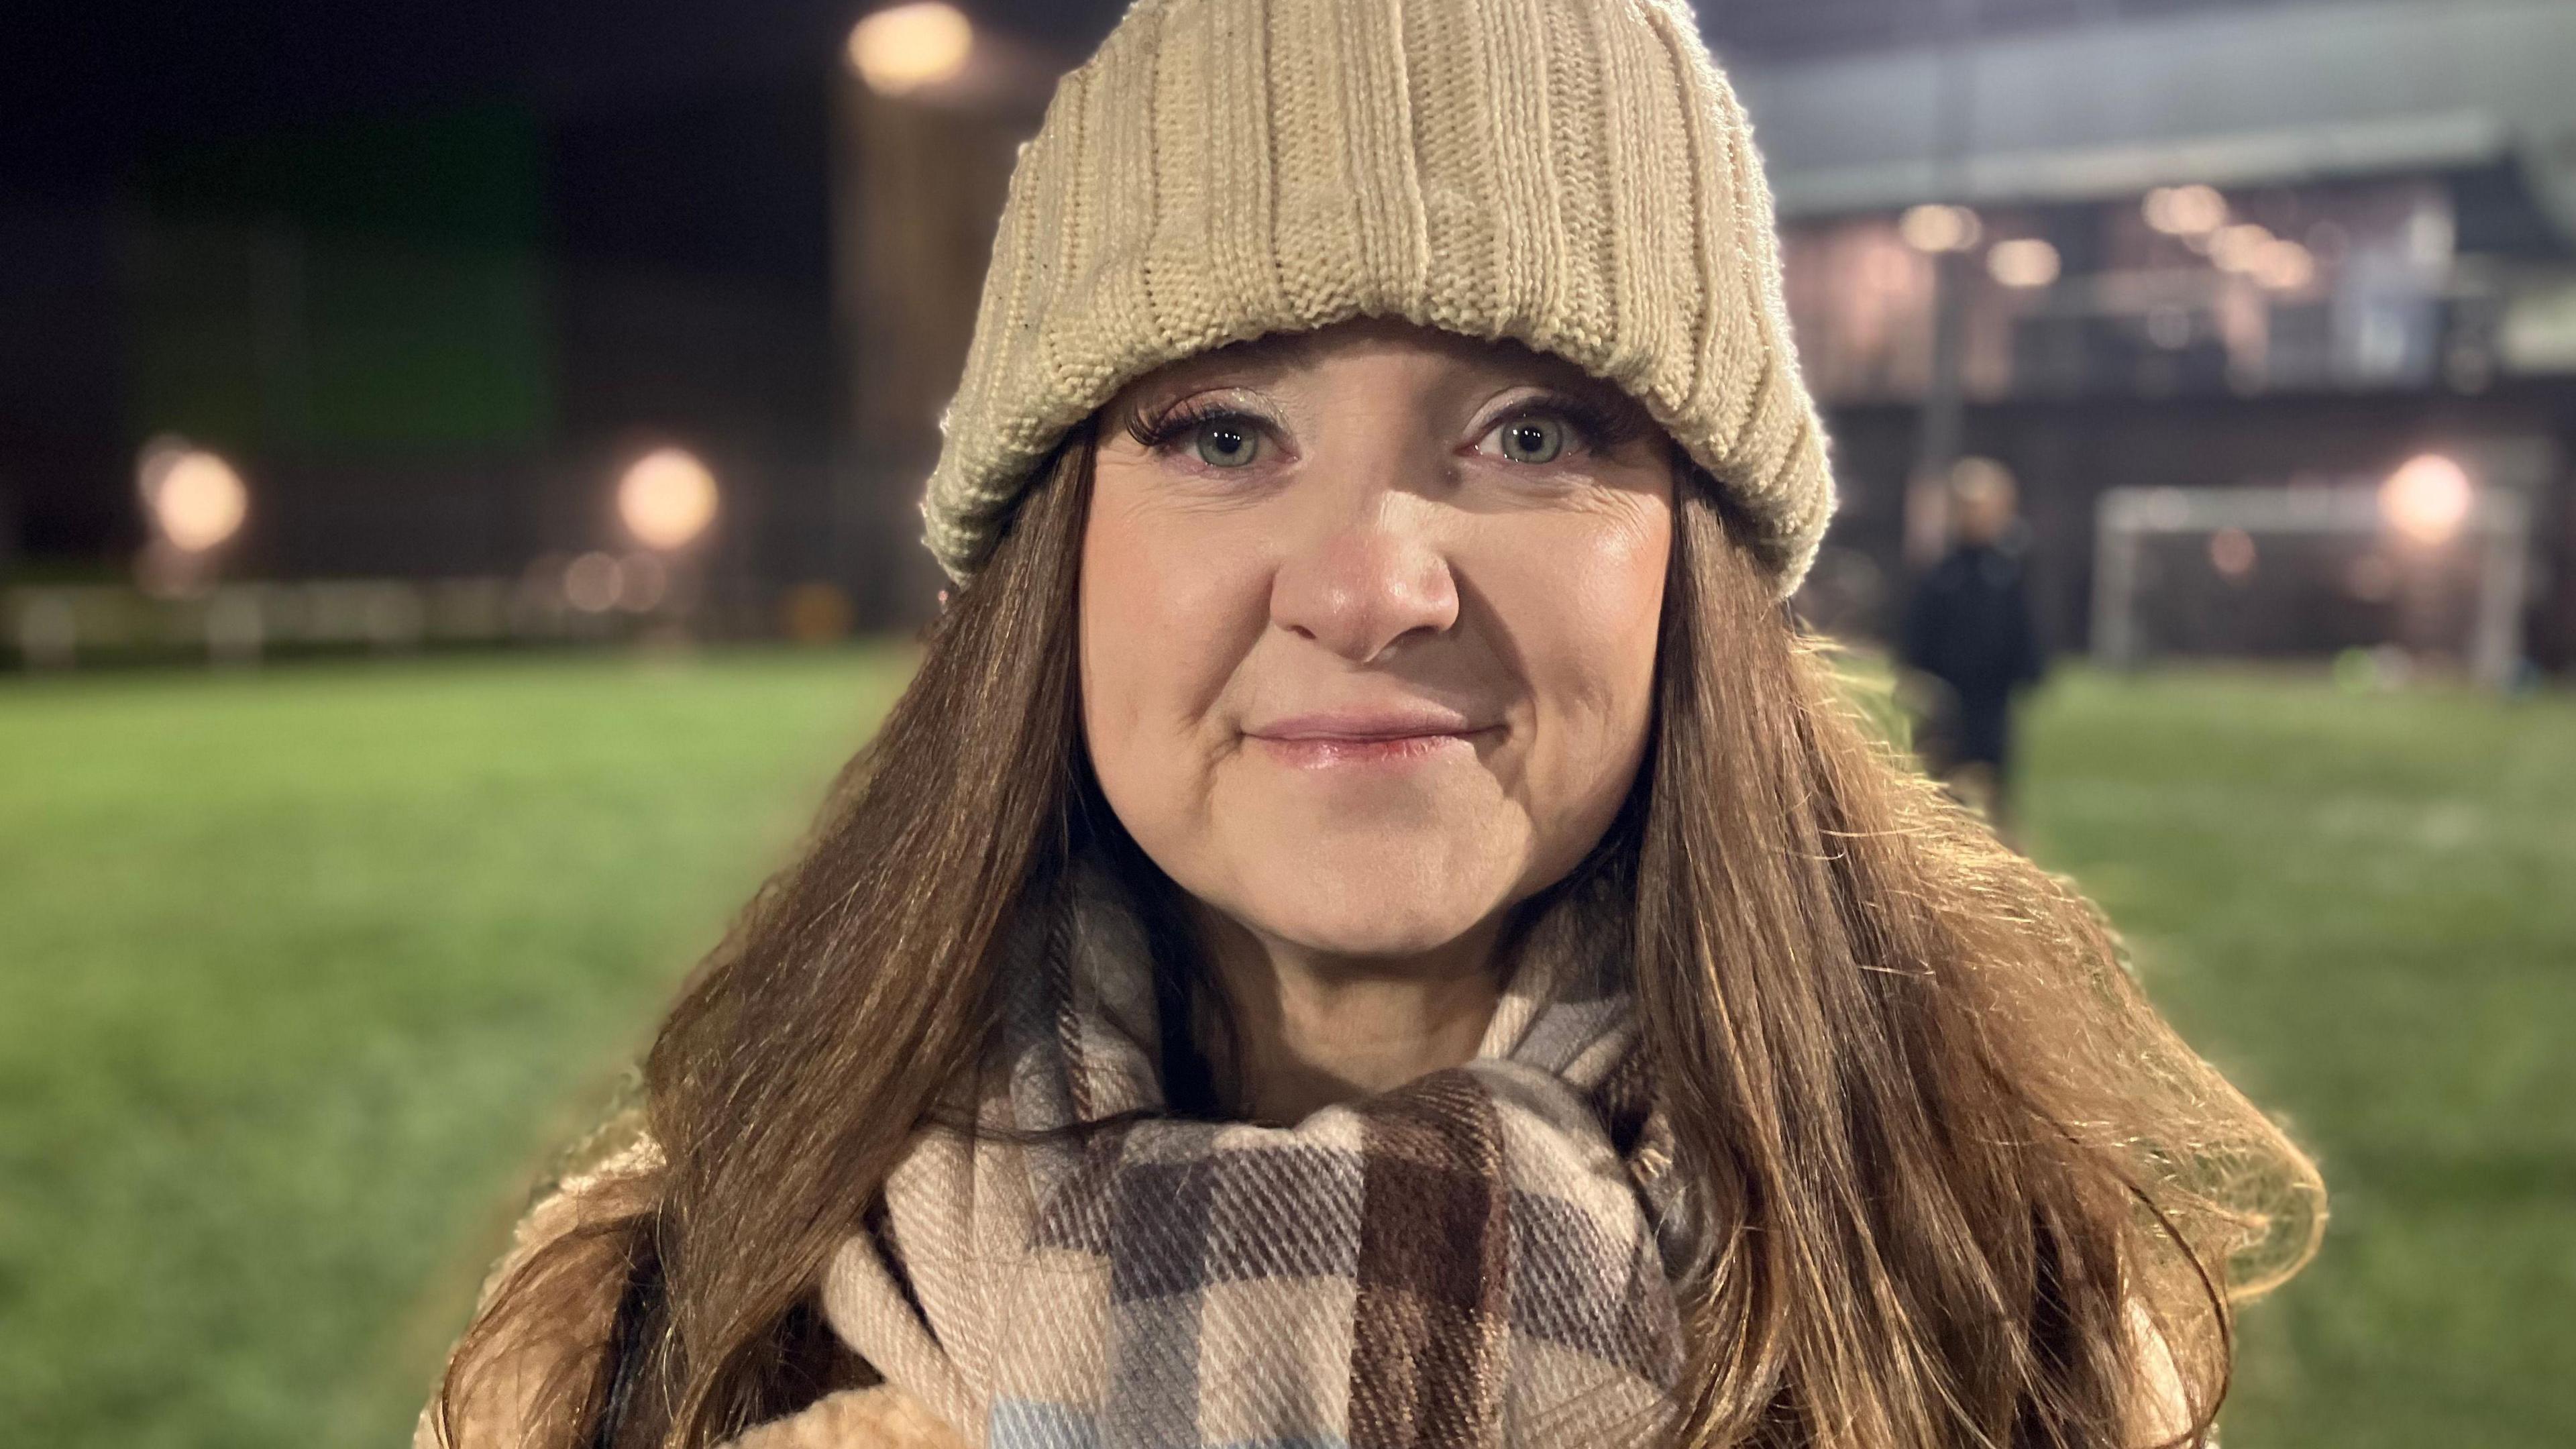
x,y
2427,499
2240,248
591,583
905,47
1936,228
667,498
196,499
2185,210
2231,552
2284,265
2023,262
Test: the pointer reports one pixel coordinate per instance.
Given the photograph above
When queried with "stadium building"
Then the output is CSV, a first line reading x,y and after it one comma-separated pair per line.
x,y
2185,246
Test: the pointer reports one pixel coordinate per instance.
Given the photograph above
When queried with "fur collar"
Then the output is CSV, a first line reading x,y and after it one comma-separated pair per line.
x,y
883,1417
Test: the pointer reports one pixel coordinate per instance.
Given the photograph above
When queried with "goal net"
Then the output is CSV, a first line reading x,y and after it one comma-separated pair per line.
x,y
2421,562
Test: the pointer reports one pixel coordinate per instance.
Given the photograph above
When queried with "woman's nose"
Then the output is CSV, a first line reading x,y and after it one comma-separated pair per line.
x,y
1369,578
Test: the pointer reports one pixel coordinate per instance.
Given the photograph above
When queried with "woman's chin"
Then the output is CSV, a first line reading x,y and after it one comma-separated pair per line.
x,y
1373,900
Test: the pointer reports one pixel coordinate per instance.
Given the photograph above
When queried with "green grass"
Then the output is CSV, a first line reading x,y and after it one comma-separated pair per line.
x,y
303,973
2363,908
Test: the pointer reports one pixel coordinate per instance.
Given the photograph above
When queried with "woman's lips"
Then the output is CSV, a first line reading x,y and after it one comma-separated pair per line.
x,y
1328,741
1323,752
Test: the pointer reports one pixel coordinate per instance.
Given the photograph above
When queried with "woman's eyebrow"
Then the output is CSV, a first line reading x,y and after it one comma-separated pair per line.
x,y
1163,397
1607,396
1263,357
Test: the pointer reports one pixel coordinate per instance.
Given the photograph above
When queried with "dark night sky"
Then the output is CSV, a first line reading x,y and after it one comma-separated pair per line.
x,y
90,85
684,138
91,88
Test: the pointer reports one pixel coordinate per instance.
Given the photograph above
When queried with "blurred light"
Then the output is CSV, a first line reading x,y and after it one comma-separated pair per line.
x,y
1936,228
905,47
2231,552
2426,499
2284,265
196,499
2185,210
2238,248
667,498
2023,262
591,583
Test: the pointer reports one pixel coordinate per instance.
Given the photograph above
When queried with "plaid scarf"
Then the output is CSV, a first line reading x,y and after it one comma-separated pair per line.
x,y
1484,1256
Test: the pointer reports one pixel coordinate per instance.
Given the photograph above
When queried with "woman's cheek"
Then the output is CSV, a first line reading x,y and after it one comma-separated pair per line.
x,y
1111,626
1630,623
1591,602
1154,649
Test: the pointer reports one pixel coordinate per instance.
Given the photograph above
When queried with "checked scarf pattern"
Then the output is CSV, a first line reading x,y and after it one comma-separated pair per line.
x,y
1482,1257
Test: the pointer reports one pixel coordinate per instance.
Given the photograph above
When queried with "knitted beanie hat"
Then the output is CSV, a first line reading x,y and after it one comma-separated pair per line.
x,y
1572,174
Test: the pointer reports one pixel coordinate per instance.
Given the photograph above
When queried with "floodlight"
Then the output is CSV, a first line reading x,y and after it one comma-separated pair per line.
x,y
196,499
667,498
905,47
2426,499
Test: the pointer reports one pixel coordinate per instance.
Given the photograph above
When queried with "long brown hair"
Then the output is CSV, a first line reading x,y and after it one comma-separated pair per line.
x,y
1966,1180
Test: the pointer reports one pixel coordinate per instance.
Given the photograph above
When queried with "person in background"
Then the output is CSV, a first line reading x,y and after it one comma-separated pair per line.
x,y
1969,646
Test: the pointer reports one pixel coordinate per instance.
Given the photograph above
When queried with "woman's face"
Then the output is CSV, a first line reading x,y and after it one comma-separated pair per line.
x,y
1368,623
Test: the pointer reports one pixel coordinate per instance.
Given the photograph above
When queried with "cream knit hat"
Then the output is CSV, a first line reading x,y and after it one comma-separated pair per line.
x,y
1574,174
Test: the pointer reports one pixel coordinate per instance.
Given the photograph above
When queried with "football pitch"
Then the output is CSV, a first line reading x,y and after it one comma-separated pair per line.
x,y
303,973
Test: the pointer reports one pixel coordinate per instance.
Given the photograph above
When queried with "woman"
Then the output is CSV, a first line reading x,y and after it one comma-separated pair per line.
x,y
1369,926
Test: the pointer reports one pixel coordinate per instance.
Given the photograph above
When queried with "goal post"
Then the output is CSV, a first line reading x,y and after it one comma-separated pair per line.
x,y
2487,537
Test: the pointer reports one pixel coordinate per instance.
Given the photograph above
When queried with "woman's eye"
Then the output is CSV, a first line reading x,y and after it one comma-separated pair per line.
x,y
1531,439
1227,444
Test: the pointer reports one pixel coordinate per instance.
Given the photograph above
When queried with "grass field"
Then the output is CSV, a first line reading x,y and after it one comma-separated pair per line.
x,y
2364,910
302,974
